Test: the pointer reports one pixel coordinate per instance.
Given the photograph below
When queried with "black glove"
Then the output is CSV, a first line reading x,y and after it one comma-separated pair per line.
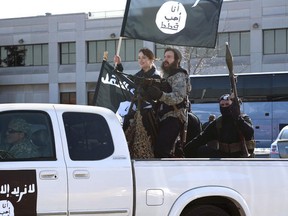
x,y
235,111
119,67
240,120
164,86
154,92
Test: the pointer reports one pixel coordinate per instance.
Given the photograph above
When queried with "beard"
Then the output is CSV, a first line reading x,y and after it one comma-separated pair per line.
x,y
167,68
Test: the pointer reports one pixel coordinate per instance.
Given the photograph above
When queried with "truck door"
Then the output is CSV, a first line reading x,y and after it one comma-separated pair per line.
x,y
100,182
33,178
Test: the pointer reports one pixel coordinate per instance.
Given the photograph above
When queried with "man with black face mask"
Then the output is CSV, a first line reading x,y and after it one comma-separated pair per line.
x,y
225,131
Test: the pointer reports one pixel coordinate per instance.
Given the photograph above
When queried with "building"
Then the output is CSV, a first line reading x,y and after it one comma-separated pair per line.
x,y
57,58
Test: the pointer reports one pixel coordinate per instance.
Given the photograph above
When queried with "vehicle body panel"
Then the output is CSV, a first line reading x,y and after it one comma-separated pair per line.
x,y
51,176
246,178
117,185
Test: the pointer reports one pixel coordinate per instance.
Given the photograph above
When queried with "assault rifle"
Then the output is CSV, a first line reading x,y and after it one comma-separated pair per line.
x,y
142,81
234,94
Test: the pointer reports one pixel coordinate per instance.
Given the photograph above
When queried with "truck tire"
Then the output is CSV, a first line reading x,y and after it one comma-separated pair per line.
x,y
204,210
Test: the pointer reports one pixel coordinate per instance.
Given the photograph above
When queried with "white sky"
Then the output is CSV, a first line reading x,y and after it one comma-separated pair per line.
x,y
25,8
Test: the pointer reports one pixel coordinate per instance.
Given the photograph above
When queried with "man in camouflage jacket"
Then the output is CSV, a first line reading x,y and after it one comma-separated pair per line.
x,y
173,99
17,141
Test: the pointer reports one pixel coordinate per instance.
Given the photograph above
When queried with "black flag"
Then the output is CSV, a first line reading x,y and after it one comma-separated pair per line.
x,y
191,23
112,88
18,196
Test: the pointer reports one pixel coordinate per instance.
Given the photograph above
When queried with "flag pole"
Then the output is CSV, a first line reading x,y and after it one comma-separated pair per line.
x,y
118,49
119,46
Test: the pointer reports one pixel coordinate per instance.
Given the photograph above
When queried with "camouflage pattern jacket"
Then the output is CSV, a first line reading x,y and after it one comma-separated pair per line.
x,y
178,97
24,149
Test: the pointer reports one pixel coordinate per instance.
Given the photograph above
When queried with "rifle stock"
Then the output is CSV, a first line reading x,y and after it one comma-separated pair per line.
x,y
232,77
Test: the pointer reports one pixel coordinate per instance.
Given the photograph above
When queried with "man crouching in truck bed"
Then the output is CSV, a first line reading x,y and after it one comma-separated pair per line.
x,y
222,137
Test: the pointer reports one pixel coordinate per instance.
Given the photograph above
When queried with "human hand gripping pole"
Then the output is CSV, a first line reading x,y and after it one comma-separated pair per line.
x,y
236,102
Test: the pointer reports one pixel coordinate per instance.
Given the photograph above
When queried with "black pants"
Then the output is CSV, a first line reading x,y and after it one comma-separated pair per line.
x,y
168,131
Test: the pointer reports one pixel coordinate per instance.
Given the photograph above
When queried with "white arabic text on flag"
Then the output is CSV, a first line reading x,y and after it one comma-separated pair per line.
x,y
112,88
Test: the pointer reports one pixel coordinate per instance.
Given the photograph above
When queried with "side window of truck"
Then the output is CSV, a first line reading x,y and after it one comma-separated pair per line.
x,y
88,136
25,136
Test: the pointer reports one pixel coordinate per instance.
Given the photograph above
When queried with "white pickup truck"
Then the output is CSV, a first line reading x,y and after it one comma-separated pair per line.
x,y
85,169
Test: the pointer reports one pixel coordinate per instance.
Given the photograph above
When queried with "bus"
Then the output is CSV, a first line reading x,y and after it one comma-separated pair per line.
x,y
264,98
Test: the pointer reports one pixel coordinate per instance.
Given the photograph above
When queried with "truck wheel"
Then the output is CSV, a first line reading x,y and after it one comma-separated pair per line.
x,y
204,210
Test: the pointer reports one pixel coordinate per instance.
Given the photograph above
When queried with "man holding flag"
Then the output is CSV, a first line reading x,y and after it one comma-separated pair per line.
x,y
145,108
147,70
182,23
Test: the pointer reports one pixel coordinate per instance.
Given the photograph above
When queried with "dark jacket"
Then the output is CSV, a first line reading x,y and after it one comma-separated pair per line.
x,y
152,73
140,87
145,106
224,130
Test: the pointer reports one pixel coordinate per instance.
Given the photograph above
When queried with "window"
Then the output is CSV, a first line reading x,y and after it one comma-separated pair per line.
x,y
275,41
239,45
68,53
24,55
91,97
88,136
128,52
26,135
68,98
265,87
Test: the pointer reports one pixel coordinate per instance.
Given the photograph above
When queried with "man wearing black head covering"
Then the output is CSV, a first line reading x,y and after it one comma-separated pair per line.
x,y
226,131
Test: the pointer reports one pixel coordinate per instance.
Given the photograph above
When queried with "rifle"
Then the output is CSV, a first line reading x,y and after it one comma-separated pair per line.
x,y
144,82
232,77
